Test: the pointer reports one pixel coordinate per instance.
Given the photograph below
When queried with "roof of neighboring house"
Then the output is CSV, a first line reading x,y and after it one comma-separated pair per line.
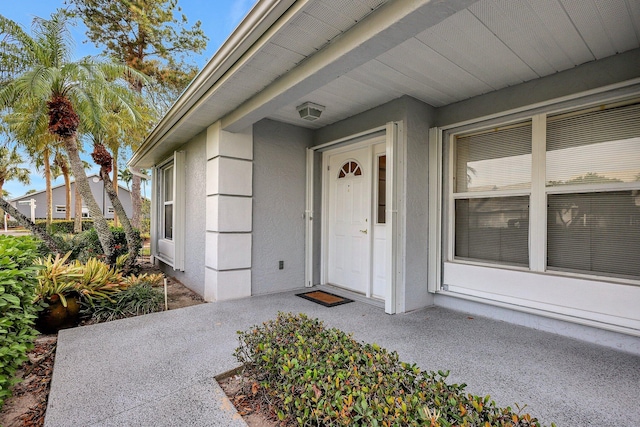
x,y
26,196
353,56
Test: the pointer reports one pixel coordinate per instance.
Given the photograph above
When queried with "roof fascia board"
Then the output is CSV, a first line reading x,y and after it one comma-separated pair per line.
x,y
259,19
373,36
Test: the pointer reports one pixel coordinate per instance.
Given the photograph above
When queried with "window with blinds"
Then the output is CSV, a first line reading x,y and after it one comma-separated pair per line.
x,y
492,187
594,227
591,185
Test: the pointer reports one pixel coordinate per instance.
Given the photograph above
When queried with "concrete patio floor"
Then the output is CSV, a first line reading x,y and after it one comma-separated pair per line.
x,y
157,370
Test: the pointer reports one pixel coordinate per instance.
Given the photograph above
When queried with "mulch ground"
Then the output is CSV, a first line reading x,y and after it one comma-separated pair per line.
x,y
245,396
29,402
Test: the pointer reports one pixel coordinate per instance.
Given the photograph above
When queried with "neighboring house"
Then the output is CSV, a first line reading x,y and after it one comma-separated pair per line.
x,y
444,167
59,198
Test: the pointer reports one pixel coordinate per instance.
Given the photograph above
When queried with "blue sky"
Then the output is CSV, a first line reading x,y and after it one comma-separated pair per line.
x,y
219,18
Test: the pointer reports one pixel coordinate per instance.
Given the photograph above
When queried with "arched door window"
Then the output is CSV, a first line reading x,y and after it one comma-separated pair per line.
x,y
350,167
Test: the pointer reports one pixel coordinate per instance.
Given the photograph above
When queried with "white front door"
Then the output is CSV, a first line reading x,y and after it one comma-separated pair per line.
x,y
350,208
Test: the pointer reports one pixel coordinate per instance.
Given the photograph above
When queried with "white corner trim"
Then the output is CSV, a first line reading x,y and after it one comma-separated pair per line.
x,y
434,273
308,218
153,229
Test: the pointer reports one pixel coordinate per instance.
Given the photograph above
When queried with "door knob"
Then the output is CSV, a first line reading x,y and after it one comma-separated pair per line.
x,y
364,231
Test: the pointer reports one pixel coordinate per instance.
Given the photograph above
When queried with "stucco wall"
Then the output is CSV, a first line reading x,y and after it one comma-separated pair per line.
x,y
279,184
419,117
195,182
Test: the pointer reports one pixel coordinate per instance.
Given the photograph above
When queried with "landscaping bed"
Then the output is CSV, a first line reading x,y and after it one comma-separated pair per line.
x,y
27,406
297,372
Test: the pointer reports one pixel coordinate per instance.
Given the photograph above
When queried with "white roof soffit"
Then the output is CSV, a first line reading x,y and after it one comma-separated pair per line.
x,y
391,24
383,29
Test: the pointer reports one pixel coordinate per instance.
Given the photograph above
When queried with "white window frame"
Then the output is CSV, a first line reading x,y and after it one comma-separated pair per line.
x,y
170,251
468,195
110,210
61,209
376,191
163,201
538,195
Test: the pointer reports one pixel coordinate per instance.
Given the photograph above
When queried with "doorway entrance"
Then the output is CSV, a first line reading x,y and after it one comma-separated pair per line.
x,y
356,218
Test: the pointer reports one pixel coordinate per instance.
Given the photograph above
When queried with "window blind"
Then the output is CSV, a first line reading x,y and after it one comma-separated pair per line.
x,y
595,147
494,160
596,229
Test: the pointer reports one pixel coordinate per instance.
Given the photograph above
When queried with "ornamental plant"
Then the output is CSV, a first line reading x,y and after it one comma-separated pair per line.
x,y
138,299
91,280
17,313
316,376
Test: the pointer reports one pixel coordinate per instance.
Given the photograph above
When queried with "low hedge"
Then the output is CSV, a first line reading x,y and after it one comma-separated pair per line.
x,y
17,312
323,377
86,245
63,225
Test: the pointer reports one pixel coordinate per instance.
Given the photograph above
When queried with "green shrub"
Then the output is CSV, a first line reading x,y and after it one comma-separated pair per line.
x,y
63,225
135,300
319,376
17,312
86,245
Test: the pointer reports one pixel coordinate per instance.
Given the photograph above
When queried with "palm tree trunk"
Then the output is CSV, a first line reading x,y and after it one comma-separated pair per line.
x,y
99,222
77,215
67,191
126,224
136,201
116,214
26,223
64,167
47,179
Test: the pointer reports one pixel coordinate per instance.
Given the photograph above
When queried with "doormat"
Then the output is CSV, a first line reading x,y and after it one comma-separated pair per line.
x,y
324,298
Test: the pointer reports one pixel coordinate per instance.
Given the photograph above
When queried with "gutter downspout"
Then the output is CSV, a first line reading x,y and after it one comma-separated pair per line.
x,y
138,174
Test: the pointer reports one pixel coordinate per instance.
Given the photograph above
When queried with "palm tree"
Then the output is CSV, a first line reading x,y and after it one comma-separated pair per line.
x,y
102,157
10,169
125,176
71,91
37,141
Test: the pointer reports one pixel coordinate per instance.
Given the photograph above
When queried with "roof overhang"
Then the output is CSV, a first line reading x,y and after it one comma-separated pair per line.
x,y
388,25
351,58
